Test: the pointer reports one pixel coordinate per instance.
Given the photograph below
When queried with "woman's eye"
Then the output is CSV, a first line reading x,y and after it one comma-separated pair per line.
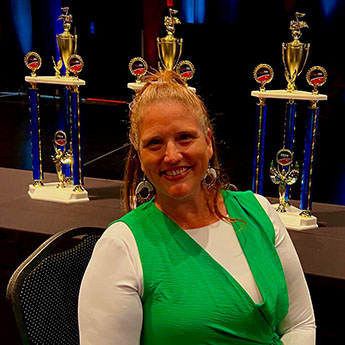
x,y
185,137
153,143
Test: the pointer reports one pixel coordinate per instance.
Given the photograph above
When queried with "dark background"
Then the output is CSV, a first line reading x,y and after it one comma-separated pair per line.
x,y
235,37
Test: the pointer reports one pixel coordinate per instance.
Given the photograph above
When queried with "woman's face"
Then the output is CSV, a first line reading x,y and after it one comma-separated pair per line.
x,y
174,150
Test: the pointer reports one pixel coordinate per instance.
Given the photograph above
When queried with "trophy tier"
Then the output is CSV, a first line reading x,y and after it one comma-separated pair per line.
x,y
70,81
293,95
137,87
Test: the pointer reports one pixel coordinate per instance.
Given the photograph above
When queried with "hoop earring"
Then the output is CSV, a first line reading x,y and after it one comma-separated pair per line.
x,y
210,177
143,191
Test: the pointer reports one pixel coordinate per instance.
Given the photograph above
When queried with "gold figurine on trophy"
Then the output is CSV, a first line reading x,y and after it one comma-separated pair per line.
x,y
169,47
67,43
295,53
61,156
283,175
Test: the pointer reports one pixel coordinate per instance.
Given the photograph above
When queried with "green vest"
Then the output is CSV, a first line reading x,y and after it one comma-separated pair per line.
x,y
189,298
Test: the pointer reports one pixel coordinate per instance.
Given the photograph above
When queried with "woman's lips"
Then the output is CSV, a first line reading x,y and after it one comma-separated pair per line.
x,y
176,173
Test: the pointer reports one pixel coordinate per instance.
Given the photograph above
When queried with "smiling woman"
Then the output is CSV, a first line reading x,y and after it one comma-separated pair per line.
x,y
191,262
171,132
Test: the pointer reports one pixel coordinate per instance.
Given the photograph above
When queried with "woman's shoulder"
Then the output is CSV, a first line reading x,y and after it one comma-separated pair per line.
x,y
118,232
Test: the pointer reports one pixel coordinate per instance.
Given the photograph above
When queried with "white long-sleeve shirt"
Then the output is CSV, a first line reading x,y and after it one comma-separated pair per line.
x,y
110,309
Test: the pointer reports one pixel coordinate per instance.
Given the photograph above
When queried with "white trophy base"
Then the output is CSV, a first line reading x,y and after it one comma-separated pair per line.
x,y
50,192
293,221
63,80
137,87
283,94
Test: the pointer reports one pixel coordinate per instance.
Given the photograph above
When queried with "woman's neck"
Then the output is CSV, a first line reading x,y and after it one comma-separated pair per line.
x,y
190,214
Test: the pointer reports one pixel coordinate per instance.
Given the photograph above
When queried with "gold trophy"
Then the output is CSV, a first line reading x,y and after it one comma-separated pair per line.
x,y
67,43
169,47
295,53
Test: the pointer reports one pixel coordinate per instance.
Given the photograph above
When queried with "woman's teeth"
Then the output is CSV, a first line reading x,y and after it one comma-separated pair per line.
x,y
176,172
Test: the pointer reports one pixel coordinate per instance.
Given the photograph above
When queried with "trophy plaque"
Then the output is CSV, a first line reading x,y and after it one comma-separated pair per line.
x,y
33,62
263,74
295,53
316,76
186,70
169,47
75,64
67,43
138,67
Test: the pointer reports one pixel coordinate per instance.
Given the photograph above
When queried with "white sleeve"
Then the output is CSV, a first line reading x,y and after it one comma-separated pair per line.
x,y
110,309
298,326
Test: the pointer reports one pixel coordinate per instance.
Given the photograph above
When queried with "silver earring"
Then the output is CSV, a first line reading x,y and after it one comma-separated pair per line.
x,y
210,177
143,191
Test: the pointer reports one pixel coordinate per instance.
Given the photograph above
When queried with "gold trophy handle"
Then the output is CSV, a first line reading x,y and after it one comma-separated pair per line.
x,y
307,48
179,42
159,54
75,43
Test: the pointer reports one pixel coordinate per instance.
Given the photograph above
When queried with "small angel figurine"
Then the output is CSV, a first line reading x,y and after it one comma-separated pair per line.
x,y
283,176
57,67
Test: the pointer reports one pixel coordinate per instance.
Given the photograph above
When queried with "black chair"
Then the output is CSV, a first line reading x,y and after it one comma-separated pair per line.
x,y
44,289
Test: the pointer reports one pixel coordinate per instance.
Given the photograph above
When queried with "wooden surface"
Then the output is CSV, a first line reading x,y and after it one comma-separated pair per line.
x,y
321,250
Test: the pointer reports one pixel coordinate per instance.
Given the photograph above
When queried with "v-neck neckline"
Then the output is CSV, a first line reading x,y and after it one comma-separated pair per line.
x,y
188,238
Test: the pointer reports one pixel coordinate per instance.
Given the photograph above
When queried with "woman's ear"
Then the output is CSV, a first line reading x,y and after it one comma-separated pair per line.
x,y
209,142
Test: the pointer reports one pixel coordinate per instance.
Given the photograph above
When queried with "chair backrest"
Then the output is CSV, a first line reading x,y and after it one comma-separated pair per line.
x,y
44,289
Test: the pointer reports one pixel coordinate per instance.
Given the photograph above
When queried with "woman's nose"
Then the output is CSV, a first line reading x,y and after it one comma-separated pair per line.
x,y
172,153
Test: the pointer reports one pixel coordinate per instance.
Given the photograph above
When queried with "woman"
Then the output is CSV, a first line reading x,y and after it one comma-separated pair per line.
x,y
195,263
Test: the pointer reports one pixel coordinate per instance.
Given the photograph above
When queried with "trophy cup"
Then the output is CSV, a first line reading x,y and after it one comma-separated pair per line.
x,y
295,53
67,43
169,47
61,157
283,175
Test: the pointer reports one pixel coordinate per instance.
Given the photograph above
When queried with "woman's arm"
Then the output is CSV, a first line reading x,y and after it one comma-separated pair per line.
x,y
298,326
110,310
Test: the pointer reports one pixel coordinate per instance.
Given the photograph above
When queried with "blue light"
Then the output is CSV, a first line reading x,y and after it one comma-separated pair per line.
x,y
92,27
229,9
199,10
21,14
193,11
328,7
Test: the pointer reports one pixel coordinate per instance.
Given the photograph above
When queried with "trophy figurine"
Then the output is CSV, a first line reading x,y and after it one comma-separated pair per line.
x,y
169,47
295,53
67,43
61,156
283,175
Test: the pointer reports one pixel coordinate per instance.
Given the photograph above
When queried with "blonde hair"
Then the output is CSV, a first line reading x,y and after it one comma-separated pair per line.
x,y
164,87
167,86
